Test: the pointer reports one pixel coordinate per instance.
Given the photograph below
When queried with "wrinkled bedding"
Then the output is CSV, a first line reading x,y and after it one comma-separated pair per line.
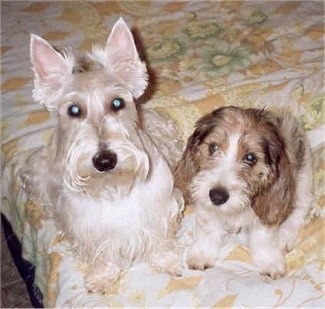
x,y
201,55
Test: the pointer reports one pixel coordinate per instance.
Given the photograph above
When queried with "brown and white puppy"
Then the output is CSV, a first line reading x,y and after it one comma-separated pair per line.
x,y
246,170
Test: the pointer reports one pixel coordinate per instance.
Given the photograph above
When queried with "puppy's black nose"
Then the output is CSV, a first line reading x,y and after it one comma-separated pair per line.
x,y
218,196
104,160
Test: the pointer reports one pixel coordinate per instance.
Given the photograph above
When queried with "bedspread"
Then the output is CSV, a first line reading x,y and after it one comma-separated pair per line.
x,y
201,55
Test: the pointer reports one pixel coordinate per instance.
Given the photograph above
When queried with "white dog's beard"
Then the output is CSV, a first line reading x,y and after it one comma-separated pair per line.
x,y
81,176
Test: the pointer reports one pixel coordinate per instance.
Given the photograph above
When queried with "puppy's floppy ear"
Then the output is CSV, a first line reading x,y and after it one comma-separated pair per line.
x,y
51,70
122,57
189,164
274,202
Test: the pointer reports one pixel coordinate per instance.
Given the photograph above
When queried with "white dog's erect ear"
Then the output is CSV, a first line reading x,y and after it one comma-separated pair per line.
x,y
123,58
121,39
51,69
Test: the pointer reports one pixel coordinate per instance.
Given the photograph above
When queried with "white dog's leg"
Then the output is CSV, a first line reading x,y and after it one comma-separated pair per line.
x,y
167,261
102,279
36,179
265,251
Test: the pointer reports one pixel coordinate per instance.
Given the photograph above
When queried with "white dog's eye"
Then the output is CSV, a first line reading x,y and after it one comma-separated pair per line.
x,y
117,104
250,159
74,110
213,147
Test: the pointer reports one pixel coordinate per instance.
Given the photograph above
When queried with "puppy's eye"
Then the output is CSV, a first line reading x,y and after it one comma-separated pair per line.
x,y
74,110
117,104
250,159
213,147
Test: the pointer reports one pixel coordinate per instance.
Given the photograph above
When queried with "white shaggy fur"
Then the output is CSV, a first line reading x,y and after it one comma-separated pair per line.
x,y
110,189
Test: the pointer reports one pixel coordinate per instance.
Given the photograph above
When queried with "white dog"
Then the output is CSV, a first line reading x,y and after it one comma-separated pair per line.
x,y
247,170
110,189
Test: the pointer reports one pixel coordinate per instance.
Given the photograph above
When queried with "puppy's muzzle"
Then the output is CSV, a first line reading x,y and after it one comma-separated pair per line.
x,y
104,160
218,196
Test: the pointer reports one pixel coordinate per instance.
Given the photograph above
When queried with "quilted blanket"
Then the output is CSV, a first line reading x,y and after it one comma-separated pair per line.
x,y
202,55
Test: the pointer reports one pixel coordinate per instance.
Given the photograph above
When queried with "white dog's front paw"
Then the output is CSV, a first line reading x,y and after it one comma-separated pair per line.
x,y
101,280
168,262
198,258
274,268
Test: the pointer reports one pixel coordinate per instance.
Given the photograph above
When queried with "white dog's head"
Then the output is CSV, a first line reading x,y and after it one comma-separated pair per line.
x,y
236,159
96,143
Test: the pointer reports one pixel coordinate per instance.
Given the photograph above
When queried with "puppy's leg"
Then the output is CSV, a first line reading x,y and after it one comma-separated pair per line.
x,y
208,240
102,279
266,254
290,228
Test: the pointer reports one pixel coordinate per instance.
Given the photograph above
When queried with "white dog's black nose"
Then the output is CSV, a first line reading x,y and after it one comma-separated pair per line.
x,y
104,160
218,196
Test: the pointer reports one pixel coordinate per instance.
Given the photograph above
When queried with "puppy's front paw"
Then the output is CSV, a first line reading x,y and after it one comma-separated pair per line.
x,y
287,246
200,259
274,269
101,280
287,241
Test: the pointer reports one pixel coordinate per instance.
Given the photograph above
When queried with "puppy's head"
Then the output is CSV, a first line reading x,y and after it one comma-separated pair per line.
x,y
96,140
236,159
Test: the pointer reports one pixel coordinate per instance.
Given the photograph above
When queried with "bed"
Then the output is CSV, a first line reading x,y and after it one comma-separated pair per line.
x,y
201,55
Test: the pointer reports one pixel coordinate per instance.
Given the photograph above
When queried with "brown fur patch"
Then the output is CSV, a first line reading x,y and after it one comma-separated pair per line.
x,y
274,201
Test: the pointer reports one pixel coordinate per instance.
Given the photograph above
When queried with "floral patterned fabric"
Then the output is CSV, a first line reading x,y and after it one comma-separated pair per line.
x,y
201,55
